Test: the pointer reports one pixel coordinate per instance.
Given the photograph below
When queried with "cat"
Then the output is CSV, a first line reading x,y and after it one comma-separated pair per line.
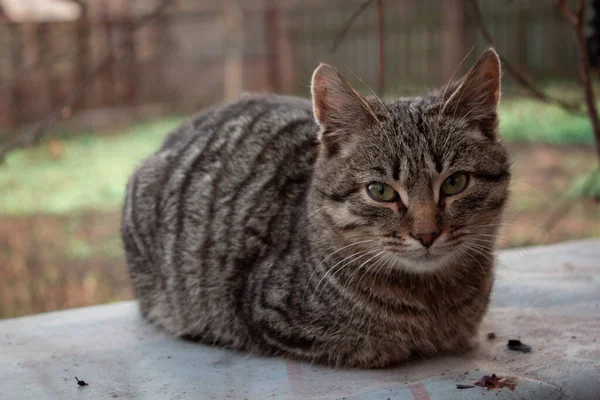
x,y
347,232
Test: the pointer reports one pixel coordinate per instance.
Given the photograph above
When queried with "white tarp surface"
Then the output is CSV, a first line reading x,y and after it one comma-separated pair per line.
x,y
548,297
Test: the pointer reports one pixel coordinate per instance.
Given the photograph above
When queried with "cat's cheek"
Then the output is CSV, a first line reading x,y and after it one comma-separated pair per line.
x,y
345,216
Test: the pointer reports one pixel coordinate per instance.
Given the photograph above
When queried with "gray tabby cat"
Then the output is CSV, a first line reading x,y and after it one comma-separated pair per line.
x,y
349,233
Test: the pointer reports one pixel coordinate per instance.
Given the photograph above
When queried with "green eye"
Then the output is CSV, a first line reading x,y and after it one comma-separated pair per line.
x,y
455,184
381,192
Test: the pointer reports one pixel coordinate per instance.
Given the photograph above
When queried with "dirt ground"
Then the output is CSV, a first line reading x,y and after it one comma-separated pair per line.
x,y
57,262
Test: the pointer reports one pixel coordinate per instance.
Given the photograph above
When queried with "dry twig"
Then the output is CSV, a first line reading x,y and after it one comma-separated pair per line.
x,y
340,36
381,39
576,19
45,125
566,204
536,92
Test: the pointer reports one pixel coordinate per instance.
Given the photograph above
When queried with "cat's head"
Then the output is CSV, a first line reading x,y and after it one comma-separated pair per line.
x,y
419,182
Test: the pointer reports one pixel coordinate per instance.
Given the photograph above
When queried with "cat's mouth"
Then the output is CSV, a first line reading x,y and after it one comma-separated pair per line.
x,y
422,260
427,255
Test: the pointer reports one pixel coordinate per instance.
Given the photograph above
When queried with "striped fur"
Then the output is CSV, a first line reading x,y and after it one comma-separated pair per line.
x,y
248,229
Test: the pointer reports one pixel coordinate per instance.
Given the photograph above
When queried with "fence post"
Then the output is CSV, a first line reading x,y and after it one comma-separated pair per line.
x,y
17,61
7,117
233,71
131,80
521,41
453,36
44,67
107,79
280,64
83,43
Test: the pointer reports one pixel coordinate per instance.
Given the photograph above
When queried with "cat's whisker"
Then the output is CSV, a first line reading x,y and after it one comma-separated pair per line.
x,y
443,101
457,125
520,250
450,80
482,242
350,257
390,120
542,236
364,101
356,271
373,265
483,238
498,262
480,250
378,248
383,266
362,254
342,248
313,213
466,253
494,225
327,257
515,182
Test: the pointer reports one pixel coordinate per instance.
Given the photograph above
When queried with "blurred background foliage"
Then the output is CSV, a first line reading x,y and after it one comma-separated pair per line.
x,y
60,198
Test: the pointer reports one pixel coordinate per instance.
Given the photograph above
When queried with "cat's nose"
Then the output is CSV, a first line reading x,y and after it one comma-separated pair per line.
x,y
426,239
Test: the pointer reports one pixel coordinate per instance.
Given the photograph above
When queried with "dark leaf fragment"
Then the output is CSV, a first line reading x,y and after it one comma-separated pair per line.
x,y
516,345
458,386
81,383
495,382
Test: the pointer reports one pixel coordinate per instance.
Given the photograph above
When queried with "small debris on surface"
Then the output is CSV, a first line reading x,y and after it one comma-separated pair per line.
x,y
81,383
495,382
491,336
573,337
459,386
488,381
516,345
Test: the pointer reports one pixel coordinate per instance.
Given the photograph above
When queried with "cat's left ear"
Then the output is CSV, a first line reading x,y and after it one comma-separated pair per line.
x,y
338,108
478,94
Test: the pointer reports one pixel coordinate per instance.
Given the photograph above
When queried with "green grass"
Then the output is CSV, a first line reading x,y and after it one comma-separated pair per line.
x,y
93,171
527,120
586,186
91,174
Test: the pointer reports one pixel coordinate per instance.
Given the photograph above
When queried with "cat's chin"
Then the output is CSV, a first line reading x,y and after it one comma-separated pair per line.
x,y
422,263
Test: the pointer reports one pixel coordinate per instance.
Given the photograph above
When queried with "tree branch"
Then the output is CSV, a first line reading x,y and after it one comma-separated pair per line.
x,y
380,31
572,108
46,124
340,36
567,203
577,19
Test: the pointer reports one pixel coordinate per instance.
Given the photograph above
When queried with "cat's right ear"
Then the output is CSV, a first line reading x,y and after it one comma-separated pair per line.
x,y
478,93
337,107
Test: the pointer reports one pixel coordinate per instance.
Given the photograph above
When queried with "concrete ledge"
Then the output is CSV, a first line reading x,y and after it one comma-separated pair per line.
x,y
549,297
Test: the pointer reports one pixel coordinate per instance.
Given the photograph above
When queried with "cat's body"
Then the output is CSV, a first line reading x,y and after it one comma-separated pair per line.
x,y
248,230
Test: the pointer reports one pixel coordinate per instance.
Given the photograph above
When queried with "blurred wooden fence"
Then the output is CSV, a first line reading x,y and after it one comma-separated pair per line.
x,y
178,60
